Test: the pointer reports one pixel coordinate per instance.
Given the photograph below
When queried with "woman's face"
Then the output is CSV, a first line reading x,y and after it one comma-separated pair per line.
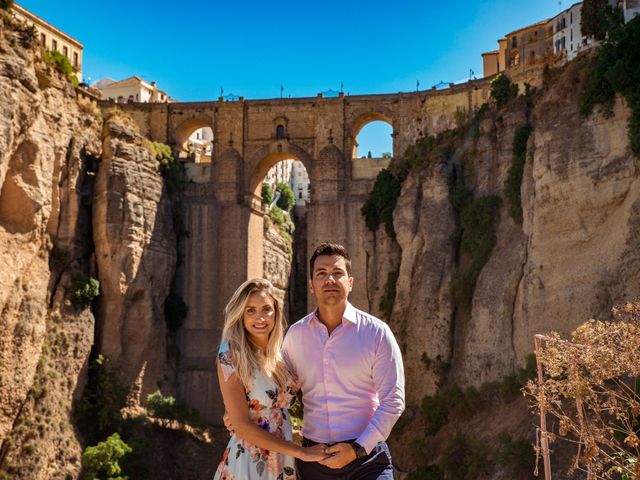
x,y
259,317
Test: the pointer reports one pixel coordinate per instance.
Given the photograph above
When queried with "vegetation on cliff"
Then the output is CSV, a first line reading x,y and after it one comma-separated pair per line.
x,y
617,71
476,235
513,184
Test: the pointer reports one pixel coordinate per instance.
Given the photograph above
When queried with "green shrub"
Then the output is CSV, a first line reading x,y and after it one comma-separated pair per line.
x,y
513,183
502,90
6,4
389,297
296,412
381,202
175,311
267,194
436,408
84,291
595,18
617,70
287,199
62,63
516,456
430,472
477,237
98,411
101,460
171,169
171,408
464,459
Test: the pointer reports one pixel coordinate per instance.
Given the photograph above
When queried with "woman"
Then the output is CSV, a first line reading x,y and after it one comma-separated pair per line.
x,y
257,389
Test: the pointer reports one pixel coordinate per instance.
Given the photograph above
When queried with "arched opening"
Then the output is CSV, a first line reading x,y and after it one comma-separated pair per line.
x,y
278,229
372,145
194,141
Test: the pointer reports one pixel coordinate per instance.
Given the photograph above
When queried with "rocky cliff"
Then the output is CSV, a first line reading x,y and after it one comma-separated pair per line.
x,y
49,141
80,198
573,256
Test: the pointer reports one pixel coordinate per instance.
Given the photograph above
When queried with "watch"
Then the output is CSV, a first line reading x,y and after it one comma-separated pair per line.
x,y
359,449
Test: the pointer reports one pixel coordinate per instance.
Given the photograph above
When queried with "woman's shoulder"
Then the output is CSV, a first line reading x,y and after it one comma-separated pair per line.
x,y
225,358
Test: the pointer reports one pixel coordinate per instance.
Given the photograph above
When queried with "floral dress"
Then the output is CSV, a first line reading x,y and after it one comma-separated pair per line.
x,y
268,408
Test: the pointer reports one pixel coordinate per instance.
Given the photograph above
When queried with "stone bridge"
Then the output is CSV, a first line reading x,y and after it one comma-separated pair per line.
x,y
223,212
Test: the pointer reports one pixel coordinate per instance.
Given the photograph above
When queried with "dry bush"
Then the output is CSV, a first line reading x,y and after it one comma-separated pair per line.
x,y
590,385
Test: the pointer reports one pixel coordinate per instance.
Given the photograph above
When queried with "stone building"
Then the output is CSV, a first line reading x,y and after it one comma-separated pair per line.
x,y
293,173
53,38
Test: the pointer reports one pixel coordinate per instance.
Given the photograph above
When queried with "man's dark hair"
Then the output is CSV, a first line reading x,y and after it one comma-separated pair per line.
x,y
330,249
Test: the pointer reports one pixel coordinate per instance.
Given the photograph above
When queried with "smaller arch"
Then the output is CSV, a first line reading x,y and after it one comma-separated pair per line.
x,y
193,139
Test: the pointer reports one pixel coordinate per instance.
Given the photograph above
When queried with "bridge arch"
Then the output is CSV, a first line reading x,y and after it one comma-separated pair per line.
x,y
367,168
182,132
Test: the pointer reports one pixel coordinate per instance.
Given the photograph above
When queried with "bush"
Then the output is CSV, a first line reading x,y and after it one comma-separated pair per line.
x,y
617,70
98,411
594,18
464,459
389,297
430,472
170,408
101,461
436,408
84,291
516,456
382,201
287,199
6,4
267,194
513,183
175,311
502,90
477,237
61,63
171,169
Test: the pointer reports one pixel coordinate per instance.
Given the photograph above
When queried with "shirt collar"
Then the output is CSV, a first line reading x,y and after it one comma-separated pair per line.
x,y
350,314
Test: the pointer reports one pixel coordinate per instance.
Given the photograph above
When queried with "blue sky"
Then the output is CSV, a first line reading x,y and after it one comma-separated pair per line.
x,y
252,48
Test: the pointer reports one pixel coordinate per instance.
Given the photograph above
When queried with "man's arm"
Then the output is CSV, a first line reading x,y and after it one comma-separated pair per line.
x,y
388,378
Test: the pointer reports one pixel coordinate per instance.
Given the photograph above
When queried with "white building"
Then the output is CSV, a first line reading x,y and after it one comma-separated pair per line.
x,y
567,34
132,89
631,9
293,173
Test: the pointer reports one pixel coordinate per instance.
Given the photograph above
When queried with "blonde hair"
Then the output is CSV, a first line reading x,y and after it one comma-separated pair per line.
x,y
246,356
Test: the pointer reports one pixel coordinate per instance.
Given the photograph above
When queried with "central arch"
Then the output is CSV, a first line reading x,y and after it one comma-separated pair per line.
x,y
258,166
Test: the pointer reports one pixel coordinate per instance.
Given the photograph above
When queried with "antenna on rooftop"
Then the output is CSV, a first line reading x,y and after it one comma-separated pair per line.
x,y
221,92
417,85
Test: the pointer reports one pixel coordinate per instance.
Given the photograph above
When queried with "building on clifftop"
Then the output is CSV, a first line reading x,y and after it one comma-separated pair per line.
x,y
53,39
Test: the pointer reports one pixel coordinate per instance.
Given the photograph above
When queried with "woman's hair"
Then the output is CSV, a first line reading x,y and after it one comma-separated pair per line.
x,y
246,356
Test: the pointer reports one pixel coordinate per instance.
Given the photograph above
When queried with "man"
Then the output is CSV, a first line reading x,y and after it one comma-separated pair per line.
x,y
350,372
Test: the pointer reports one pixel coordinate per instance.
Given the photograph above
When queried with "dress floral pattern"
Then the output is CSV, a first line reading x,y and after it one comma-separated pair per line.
x,y
268,408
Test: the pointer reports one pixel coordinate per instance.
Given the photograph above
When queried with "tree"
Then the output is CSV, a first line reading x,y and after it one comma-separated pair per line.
x,y
595,18
101,460
502,90
267,194
386,155
287,199
369,154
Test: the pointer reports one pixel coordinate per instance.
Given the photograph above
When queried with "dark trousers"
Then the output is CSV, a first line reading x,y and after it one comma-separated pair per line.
x,y
375,466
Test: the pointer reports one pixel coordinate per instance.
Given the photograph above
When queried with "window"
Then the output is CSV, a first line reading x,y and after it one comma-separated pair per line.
x,y
514,42
280,131
65,52
75,59
54,45
300,194
571,17
43,39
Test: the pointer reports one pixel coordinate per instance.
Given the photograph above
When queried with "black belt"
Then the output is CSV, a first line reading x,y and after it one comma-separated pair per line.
x,y
307,442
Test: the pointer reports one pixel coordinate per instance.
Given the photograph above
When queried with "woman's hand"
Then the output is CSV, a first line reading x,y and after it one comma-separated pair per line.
x,y
314,454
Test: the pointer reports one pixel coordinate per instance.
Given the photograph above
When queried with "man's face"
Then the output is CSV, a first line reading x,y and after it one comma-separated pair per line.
x,y
330,282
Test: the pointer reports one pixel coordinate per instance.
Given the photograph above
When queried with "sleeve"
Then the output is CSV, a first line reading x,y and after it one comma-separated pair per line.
x,y
388,378
226,361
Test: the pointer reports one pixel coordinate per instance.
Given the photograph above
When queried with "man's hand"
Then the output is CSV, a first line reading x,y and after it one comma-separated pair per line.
x,y
341,454
227,423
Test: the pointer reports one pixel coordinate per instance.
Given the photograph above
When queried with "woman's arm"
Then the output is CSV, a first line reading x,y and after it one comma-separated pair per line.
x,y
235,402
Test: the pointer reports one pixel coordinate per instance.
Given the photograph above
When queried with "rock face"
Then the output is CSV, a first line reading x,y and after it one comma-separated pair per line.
x,y
574,256
48,139
276,259
135,254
